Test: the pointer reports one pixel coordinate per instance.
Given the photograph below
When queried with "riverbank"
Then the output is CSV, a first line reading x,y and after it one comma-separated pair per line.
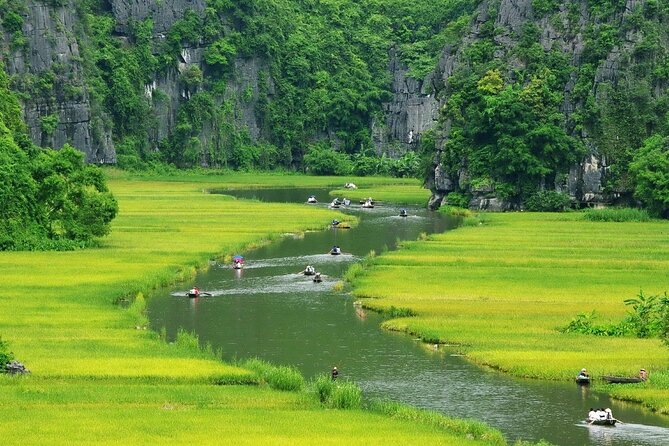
x,y
99,376
500,291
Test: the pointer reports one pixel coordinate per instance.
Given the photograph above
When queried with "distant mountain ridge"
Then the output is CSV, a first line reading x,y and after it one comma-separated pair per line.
x,y
255,83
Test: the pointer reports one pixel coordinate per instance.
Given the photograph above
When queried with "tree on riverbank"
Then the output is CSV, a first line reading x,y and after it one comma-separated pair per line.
x,y
48,199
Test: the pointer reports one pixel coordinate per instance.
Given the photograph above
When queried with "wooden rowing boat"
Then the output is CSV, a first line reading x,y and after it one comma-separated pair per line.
x,y
606,422
621,380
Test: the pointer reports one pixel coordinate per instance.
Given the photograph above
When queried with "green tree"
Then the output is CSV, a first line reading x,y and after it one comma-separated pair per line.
x,y
73,197
650,168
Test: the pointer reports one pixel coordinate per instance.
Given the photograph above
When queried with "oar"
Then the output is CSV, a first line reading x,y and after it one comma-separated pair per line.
x,y
204,293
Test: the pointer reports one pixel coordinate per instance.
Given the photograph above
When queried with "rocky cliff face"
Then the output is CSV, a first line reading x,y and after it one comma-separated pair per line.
x,y
48,71
584,181
412,110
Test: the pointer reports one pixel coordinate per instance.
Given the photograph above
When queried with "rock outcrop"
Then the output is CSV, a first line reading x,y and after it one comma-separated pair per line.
x,y
49,71
584,181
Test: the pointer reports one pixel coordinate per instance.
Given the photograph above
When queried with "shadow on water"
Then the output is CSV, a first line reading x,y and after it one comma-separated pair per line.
x,y
269,310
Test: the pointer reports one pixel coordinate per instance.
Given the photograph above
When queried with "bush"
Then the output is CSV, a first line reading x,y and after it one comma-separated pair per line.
x,y
617,214
323,160
458,200
548,201
337,394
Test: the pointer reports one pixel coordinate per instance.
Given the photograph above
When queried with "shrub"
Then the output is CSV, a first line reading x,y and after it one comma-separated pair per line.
x,y
323,160
5,355
337,394
617,214
548,201
457,199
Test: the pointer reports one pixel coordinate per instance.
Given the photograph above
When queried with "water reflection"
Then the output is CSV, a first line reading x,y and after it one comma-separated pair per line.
x,y
270,311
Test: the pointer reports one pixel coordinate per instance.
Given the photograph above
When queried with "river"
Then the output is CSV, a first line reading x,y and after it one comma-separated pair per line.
x,y
269,311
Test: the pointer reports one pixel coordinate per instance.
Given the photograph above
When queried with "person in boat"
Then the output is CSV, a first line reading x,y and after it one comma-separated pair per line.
x,y
592,415
583,375
335,222
403,212
643,374
347,202
608,414
335,250
317,277
335,373
195,291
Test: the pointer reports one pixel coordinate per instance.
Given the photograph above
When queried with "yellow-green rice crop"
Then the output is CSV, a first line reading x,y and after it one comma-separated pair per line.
x,y
502,289
100,377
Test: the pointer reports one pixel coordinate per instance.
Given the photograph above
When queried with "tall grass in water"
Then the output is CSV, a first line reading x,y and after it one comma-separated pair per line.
x,y
617,214
337,394
277,377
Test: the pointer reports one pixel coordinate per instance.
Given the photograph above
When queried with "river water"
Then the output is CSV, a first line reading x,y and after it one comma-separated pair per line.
x,y
268,310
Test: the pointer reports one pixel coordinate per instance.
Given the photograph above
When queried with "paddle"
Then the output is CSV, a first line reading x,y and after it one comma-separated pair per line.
x,y
204,293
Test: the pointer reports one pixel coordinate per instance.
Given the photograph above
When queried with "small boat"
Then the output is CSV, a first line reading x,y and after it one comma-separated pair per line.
x,y
335,204
346,202
335,222
335,251
368,204
193,292
622,379
403,213
237,262
312,199
604,422
317,278
350,186
583,380
365,200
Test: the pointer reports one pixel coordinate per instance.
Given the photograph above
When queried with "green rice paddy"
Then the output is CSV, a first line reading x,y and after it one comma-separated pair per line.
x,y
99,376
500,290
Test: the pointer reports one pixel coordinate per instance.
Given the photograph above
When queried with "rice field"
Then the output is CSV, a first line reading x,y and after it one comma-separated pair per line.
x,y
99,376
500,290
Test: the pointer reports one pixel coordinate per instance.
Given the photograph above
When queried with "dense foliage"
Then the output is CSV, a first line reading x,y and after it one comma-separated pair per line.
x,y
300,84
521,109
48,199
649,317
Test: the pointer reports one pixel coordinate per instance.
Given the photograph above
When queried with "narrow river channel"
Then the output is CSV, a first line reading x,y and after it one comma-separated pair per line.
x,y
269,311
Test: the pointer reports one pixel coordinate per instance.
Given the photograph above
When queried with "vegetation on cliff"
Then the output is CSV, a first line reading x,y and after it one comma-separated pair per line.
x,y
534,90
48,199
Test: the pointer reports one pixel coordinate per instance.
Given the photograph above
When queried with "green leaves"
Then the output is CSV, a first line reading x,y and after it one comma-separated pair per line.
x,y
650,169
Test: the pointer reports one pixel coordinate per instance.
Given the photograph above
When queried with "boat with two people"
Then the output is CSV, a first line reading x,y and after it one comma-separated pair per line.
x,y
336,204
404,213
312,199
317,278
335,251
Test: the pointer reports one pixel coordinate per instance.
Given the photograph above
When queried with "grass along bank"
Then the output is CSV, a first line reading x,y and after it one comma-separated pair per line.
x,y
99,376
501,289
